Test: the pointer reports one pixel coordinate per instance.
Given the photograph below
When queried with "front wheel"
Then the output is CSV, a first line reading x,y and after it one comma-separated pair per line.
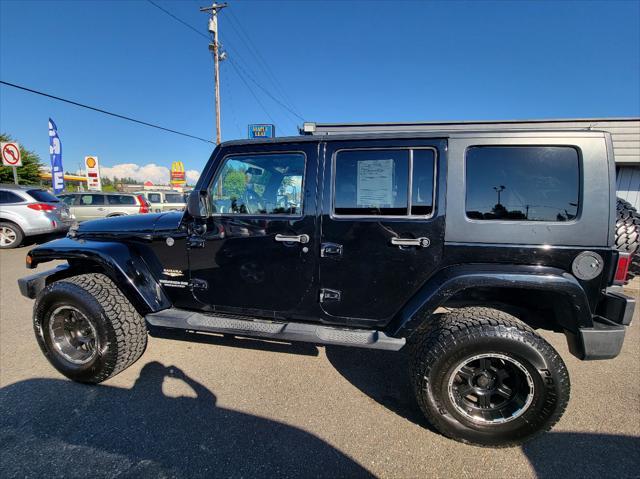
x,y
88,329
483,377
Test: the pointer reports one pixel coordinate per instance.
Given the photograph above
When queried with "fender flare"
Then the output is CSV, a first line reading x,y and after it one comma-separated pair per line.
x,y
118,261
451,280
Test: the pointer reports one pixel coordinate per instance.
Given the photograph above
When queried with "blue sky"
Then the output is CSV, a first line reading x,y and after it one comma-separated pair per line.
x,y
334,61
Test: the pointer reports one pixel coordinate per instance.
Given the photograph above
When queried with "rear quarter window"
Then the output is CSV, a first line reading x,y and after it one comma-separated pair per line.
x,y
522,183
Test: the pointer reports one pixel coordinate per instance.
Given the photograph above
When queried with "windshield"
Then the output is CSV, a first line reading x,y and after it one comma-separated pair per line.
x,y
43,196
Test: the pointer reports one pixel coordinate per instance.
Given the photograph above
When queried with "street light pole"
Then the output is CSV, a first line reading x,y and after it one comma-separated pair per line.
x,y
499,189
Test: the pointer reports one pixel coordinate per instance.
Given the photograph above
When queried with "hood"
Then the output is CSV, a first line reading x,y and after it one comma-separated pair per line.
x,y
129,225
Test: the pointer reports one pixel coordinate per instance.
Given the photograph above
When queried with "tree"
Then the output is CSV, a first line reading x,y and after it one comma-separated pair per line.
x,y
28,173
234,184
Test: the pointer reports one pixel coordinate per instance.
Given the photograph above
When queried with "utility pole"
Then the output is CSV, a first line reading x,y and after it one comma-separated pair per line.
x,y
215,48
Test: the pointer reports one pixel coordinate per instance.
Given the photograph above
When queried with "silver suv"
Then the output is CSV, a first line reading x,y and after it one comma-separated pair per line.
x,y
94,205
28,211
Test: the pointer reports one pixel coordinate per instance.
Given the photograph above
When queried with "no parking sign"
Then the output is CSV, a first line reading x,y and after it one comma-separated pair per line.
x,y
10,154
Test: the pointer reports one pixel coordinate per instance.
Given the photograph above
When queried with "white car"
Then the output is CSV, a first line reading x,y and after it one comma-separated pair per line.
x,y
28,211
160,201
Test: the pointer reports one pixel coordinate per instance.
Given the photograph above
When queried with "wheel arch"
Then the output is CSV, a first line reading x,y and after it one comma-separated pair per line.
x,y
7,218
116,260
512,288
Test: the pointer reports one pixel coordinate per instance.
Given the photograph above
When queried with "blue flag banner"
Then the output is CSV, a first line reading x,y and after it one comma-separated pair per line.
x,y
55,152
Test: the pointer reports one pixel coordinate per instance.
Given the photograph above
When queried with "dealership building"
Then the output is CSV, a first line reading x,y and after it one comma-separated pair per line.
x,y
625,133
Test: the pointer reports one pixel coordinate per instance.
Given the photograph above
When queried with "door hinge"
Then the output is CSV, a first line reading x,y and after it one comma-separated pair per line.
x,y
327,295
199,284
330,250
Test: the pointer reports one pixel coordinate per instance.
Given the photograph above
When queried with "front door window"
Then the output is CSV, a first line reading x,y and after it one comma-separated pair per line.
x,y
269,184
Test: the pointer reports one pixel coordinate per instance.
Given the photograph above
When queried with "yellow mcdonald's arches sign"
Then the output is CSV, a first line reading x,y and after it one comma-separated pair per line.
x,y
178,177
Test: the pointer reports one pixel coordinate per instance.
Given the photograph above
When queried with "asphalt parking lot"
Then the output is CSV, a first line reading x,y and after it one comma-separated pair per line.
x,y
234,407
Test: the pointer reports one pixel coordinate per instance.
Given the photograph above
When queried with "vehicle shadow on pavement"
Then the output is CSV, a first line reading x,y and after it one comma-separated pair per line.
x,y
581,455
56,428
381,375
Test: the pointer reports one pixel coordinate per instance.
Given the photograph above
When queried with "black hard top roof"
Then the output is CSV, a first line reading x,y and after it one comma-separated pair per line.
x,y
411,135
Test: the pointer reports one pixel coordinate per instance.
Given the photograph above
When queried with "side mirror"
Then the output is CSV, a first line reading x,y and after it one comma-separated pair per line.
x,y
198,204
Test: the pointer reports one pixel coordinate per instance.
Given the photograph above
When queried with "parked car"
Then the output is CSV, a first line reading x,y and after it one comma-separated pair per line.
x,y
453,245
160,201
94,205
29,211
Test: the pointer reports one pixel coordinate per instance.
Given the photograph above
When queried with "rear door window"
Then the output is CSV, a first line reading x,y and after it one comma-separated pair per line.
x,y
386,182
523,183
121,200
7,197
173,198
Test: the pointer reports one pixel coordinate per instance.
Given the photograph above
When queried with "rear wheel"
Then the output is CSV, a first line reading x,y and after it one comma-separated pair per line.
x,y
87,329
483,377
11,235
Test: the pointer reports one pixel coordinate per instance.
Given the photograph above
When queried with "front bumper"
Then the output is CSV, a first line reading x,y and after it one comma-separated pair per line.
x,y
30,286
605,338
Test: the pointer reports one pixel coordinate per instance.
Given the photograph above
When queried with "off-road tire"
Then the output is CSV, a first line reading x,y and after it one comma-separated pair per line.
x,y
628,233
121,331
17,231
451,338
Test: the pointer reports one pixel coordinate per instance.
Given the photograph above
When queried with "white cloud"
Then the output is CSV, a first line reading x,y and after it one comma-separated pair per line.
x,y
150,172
192,176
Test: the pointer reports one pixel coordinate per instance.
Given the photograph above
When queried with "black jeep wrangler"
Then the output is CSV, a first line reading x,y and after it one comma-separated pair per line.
x,y
453,246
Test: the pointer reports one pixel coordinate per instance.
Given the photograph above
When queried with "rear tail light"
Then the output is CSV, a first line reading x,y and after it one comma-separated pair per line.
x,y
41,207
144,207
622,268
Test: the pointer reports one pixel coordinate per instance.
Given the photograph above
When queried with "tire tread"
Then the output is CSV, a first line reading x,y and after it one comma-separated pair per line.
x,y
129,327
445,330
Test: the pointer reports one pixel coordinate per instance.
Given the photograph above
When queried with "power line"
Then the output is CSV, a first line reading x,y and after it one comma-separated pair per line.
x,y
267,92
262,63
236,66
100,110
233,64
179,20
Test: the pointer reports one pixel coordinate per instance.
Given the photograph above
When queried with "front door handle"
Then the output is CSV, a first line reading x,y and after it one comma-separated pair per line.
x,y
421,242
292,239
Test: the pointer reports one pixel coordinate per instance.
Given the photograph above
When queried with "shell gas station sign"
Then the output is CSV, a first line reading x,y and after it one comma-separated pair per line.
x,y
178,176
92,167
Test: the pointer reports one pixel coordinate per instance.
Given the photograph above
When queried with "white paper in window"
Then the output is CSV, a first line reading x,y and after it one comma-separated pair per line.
x,y
375,183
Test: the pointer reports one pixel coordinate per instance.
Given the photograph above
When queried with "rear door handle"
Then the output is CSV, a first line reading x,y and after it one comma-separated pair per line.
x,y
421,242
292,239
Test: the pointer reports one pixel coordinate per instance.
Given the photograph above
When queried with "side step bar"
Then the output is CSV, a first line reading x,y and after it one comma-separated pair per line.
x,y
311,333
